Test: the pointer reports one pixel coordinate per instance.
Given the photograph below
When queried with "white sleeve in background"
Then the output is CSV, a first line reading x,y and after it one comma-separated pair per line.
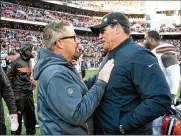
x,y
173,72
78,67
32,63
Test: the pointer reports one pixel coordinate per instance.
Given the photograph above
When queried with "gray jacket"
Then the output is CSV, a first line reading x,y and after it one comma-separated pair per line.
x,y
65,105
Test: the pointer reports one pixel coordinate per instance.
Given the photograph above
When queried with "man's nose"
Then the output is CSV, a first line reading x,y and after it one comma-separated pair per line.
x,y
80,46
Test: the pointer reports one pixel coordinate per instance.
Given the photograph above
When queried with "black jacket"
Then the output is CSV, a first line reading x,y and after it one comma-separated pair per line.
x,y
6,92
19,73
137,92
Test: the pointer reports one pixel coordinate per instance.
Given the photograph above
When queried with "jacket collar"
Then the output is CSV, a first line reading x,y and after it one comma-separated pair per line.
x,y
55,58
121,45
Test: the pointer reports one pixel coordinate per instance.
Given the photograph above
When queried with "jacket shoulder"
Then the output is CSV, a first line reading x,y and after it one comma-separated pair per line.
x,y
133,48
141,55
165,49
16,60
50,71
133,51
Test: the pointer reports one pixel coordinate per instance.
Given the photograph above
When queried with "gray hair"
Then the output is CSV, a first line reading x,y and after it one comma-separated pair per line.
x,y
54,31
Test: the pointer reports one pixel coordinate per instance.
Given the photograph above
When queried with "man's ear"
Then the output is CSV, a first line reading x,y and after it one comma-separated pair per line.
x,y
117,31
118,28
59,44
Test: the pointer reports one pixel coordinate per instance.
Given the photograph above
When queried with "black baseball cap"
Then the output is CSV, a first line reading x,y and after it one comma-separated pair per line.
x,y
111,18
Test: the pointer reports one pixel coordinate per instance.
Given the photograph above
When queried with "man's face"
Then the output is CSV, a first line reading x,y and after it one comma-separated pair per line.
x,y
33,53
72,45
147,42
103,52
78,51
107,35
26,52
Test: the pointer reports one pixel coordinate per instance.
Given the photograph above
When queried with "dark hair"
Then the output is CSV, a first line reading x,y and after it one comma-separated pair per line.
x,y
126,30
154,35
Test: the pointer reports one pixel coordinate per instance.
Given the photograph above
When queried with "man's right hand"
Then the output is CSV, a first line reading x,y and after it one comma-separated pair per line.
x,y
105,72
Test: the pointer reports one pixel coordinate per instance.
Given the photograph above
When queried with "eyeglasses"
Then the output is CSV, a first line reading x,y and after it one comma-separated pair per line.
x,y
63,38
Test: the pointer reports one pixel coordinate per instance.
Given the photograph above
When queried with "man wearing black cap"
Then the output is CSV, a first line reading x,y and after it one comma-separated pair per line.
x,y
19,73
137,92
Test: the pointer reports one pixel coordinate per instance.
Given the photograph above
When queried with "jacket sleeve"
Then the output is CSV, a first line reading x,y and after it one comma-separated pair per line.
x,y
11,71
7,93
153,89
172,67
90,81
67,100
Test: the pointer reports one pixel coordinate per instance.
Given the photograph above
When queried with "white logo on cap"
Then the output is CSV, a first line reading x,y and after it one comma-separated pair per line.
x,y
114,20
105,19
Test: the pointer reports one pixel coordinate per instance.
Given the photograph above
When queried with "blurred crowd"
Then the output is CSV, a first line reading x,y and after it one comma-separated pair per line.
x,y
11,39
113,5
15,11
41,15
170,28
177,44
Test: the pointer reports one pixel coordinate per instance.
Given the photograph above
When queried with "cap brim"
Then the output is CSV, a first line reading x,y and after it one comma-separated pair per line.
x,y
95,29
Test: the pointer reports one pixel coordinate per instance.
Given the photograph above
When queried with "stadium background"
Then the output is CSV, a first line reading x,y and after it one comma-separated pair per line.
x,y
23,21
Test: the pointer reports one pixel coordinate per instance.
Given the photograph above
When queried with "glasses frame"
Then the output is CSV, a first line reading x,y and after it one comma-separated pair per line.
x,y
63,38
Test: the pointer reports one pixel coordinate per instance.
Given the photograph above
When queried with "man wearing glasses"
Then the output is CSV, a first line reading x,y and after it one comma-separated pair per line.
x,y
65,105
137,92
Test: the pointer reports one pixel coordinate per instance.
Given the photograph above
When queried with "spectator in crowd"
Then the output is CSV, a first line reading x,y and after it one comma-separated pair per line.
x,y
4,60
6,92
12,39
33,59
169,64
21,12
19,75
137,92
103,54
77,67
83,66
65,105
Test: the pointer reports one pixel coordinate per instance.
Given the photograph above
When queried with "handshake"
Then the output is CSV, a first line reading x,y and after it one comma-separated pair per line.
x,y
13,119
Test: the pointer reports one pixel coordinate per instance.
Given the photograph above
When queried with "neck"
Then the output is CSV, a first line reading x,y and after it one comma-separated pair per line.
x,y
120,40
60,52
155,45
68,58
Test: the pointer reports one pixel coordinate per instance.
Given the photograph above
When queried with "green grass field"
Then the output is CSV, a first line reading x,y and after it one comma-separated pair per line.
x,y
89,73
